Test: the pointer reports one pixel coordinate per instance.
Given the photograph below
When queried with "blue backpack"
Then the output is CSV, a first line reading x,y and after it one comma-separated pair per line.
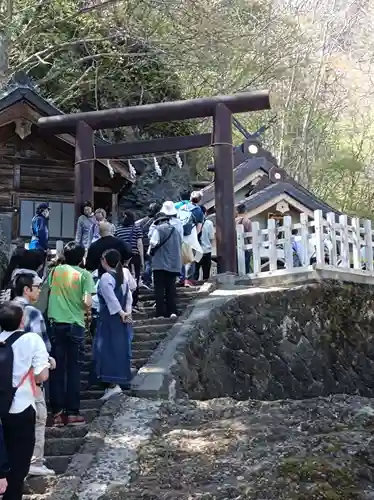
x,y
184,214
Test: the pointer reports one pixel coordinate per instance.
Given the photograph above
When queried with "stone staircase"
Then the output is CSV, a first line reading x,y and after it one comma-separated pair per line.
x,y
63,443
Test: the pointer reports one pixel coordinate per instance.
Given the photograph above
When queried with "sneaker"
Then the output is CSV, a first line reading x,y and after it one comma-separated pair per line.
x,y
144,285
112,391
173,316
40,470
58,420
188,284
73,420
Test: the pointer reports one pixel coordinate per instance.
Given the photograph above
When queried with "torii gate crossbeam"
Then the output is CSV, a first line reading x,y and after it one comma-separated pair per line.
x,y
220,108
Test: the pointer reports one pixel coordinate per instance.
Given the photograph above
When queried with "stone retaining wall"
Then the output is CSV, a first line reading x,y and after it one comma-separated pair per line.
x,y
301,342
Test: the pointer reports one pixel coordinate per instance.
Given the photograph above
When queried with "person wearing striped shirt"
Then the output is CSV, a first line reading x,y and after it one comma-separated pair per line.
x,y
132,234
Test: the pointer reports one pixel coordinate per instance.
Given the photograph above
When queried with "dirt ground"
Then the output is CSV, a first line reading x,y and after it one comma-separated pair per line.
x,y
319,449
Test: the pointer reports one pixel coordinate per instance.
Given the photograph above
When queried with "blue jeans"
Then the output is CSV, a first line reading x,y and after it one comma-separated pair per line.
x,y
65,381
191,271
147,274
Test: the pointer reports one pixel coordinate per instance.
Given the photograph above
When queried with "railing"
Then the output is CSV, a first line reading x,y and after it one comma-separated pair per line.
x,y
296,245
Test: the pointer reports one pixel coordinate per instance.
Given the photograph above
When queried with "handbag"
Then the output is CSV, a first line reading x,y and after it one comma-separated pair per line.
x,y
187,254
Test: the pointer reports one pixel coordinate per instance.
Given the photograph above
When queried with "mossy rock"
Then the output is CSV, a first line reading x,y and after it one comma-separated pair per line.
x,y
318,479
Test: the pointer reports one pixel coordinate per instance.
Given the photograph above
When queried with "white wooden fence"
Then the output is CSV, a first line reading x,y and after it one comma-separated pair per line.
x,y
334,242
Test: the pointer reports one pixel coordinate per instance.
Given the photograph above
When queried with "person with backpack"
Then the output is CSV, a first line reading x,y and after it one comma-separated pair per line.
x,y
192,217
165,247
23,364
26,289
145,224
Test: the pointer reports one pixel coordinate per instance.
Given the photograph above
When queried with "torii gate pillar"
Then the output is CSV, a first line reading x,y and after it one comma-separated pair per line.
x,y
84,167
224,190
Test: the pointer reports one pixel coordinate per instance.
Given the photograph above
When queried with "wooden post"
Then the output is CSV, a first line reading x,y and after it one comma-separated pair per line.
x,y
332,236
304,234
84,167
272,239
224,189
320,237
287,235
256,247
344,243
368,235
356,236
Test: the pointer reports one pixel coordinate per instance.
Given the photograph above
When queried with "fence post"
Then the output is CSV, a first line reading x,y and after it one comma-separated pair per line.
x,y
287,232
304,221
256,247
333,254
320,236
368,245
344,244
356,237
272,232
240,249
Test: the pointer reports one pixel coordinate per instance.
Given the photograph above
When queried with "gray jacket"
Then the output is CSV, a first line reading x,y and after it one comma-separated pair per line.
x,y
84,230
167,252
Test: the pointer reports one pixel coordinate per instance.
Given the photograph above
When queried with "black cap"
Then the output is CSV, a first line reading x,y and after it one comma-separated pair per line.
x,y
43,206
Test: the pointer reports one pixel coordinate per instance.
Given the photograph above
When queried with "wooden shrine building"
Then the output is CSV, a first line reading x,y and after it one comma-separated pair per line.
x,y
265,189
37,167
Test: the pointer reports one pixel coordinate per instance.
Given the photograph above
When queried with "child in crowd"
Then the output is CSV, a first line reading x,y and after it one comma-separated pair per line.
x,y
26,290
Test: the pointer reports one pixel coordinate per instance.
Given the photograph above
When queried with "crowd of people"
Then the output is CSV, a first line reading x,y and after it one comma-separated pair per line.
x,y
48,306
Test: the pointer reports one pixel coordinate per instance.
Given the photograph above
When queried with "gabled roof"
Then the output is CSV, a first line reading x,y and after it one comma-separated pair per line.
x,y
290,188
287,188
17,93
241,173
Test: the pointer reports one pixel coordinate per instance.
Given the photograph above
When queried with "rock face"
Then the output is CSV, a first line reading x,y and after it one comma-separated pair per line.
x,y
319,449
302,342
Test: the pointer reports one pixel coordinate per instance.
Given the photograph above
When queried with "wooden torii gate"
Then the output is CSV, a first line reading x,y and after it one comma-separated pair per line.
x,y
221,108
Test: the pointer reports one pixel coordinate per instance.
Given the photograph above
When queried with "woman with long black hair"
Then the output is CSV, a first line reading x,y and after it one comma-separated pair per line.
x,y
111,351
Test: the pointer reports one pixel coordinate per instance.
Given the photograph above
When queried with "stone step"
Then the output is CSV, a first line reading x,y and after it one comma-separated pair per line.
x,y
78,431
58,463
89,413
55,447
91,394
89,404
141,342
181,292
38,485
158,327
148,336
154,321
181,301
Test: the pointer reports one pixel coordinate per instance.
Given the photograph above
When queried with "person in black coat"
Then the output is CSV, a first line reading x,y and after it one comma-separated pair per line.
x,y
106,242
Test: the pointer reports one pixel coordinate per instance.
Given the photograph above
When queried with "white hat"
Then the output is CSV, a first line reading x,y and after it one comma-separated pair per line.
x,y
168,208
